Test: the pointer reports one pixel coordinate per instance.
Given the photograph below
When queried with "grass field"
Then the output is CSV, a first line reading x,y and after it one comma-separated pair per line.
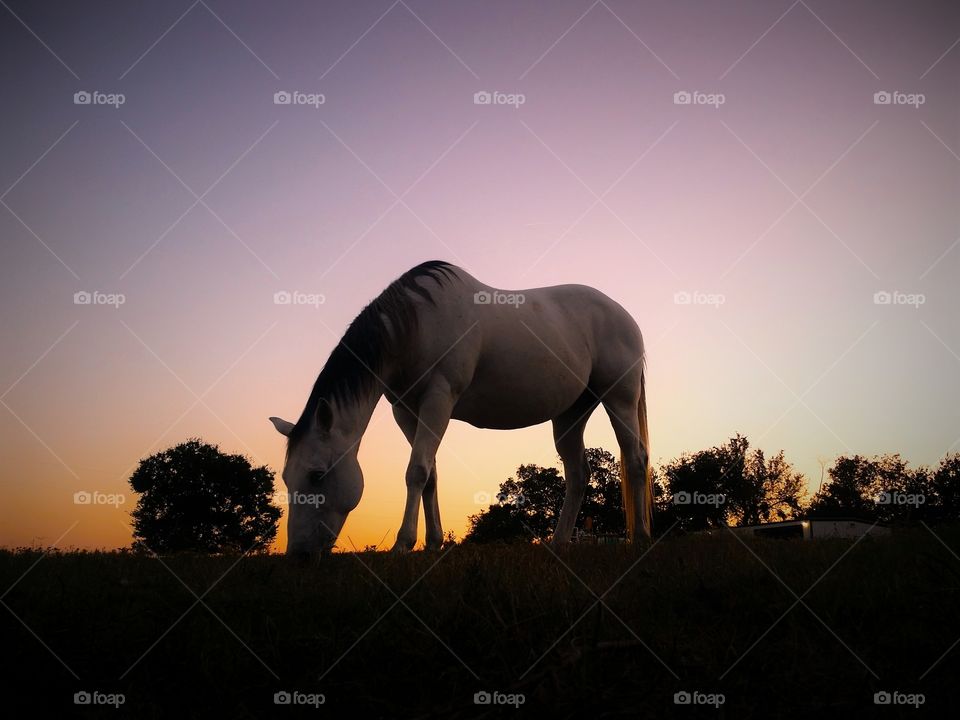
x,y
693,614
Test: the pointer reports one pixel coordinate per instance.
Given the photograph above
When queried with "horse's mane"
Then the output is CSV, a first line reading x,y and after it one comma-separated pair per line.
x,y
357,360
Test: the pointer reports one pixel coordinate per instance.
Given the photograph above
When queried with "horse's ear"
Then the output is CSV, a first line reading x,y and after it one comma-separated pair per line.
x,y
283,427
324,414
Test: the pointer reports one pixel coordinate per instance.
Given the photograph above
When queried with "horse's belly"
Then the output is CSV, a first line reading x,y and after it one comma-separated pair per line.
x,y
507,407
485,418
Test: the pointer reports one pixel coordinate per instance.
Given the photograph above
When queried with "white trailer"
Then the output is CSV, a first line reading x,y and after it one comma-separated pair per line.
x,y
815,529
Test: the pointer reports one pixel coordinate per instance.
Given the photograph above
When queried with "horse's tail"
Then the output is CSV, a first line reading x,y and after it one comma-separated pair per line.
x,y
646,511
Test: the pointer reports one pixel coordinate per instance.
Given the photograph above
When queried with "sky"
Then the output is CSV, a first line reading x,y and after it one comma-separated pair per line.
x,y
770,188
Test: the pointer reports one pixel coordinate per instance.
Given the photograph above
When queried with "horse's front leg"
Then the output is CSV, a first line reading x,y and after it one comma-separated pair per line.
x,y
433,417
407,421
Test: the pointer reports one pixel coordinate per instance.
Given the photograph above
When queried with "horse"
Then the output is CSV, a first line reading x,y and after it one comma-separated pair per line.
x,y
442,346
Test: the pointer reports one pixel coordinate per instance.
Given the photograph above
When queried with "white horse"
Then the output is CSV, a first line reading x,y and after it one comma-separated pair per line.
x,y
441,345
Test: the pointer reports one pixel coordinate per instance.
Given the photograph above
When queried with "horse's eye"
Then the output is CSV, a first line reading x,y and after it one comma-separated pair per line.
x,y
316,476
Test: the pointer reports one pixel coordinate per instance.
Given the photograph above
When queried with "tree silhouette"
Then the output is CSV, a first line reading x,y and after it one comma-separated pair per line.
x,y
195,498
604,499
729,485
528,505
945,485
884,489
776,491
850,491
693,476
498,523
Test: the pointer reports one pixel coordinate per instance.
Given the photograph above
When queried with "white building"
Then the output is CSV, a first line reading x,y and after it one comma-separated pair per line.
x,y
815,529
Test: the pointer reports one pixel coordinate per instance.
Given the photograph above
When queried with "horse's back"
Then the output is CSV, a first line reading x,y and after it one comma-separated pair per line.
x,y
561,317
524,356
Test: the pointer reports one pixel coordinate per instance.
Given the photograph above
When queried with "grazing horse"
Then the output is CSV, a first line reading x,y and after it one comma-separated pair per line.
x,y
441,345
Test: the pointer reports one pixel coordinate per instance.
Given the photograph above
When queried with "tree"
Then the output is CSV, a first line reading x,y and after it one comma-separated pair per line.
x,y
905,495
694,499
881,488
850,490
528,505
778,491
945,486
527,508
604,498
195,498
729,484
498,523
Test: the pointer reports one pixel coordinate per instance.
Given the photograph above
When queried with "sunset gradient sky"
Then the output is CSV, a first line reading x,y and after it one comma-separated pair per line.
x,y
199,198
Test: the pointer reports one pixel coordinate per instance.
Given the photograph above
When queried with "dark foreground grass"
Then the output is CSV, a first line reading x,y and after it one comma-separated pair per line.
x,y
705,614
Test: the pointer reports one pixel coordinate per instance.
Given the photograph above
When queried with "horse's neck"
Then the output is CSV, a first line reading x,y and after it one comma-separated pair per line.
x,y
354,415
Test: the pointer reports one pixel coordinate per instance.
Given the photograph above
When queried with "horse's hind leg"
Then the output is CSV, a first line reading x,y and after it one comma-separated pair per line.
x,y
623,409
568,438
431,512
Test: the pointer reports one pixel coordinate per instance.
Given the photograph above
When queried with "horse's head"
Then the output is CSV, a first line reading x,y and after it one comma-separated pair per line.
x,y
323,478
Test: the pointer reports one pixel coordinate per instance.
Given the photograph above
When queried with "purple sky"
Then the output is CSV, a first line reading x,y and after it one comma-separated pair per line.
x,y
780,210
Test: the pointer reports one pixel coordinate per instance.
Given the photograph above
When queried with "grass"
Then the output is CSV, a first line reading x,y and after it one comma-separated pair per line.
x,y
699,611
